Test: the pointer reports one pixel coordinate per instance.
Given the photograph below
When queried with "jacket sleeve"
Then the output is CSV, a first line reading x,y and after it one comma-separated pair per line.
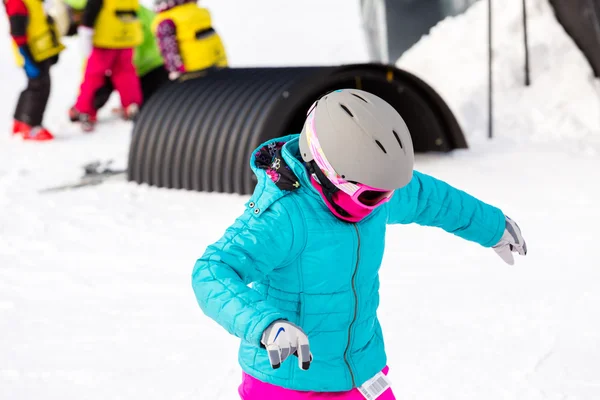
x,y
166,37
249,250
431,202
90,13
18,17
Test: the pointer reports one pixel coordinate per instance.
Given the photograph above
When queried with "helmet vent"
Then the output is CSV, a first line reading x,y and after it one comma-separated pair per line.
x,y
355,95
398,139
346,109
380,146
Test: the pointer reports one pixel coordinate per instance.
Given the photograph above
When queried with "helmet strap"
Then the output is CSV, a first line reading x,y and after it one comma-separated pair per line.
x,y
329,189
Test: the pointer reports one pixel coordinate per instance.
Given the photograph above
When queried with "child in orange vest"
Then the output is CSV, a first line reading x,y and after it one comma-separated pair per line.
x,y
37,42
109,32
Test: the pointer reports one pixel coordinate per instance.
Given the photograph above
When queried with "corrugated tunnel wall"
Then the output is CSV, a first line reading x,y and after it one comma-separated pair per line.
x,y
198,134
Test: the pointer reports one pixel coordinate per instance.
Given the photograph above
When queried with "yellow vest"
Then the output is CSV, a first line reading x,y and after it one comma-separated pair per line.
x,y
43,38
117,25
199,45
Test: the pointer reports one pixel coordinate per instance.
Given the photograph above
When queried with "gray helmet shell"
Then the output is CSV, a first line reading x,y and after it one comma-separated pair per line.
x,y
364,139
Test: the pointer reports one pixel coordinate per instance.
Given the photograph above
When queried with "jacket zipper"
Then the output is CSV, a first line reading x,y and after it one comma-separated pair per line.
x,y
355,306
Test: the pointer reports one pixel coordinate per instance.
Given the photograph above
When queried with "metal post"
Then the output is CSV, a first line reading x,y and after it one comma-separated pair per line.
x,y
490,72
525,40
375,25
383,32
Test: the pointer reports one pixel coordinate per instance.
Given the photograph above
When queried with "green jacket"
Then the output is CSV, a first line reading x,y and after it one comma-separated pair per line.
x,y
76,4
147,55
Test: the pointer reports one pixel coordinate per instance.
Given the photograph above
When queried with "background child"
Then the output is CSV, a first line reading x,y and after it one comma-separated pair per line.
x,y
186,37
109,31
37,44
311,242
147,59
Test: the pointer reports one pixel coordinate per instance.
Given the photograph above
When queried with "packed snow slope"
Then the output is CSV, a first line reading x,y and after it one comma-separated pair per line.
x,y
95,295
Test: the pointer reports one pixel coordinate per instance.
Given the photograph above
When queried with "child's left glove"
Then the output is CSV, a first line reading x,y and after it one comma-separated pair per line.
x,y
511,241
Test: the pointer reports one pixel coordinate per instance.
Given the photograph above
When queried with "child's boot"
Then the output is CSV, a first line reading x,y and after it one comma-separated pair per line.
x,y
74,114
36,133
20,127
88,122
131,112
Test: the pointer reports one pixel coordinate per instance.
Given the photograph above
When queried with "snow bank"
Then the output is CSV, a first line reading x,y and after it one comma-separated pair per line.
x,y
562,105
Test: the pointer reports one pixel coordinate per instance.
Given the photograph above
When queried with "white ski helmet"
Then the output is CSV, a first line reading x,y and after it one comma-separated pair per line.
x,y
355,137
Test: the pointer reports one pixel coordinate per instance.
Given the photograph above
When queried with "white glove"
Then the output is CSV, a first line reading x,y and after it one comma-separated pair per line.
x,y
283,339
86,35
174,75
511,241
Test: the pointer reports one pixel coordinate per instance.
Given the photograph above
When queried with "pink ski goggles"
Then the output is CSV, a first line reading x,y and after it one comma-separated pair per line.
x,y
363,195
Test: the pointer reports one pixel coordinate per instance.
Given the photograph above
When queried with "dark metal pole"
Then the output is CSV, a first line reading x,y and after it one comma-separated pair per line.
x,y
527,79
490,71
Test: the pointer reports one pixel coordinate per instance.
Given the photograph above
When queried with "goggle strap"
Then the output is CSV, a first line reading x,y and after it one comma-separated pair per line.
x,y
323,180
328,188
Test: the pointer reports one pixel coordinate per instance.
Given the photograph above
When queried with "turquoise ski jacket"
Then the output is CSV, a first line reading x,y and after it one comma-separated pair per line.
x,y
288,257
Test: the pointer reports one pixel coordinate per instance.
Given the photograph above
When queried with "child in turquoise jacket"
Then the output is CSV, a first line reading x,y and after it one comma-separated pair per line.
x,y
297,272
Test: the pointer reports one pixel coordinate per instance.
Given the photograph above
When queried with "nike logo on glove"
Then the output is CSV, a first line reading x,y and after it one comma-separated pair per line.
x,y
278,332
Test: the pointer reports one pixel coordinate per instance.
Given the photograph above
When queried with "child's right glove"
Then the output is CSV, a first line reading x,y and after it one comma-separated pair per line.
x,y
282,339
511,241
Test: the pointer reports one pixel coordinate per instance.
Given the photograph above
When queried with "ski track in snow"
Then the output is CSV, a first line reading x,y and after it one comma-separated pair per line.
x,y
95,294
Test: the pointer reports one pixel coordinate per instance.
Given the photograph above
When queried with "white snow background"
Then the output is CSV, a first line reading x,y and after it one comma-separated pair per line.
x,y
95,294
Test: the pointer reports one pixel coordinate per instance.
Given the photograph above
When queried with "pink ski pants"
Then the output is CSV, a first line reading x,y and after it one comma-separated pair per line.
x,y
119,62
253,389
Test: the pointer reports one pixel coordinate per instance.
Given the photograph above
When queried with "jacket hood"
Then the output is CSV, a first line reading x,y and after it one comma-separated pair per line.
x,y
279,170
270,159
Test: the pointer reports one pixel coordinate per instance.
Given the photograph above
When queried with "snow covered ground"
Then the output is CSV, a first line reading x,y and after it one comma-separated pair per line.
x,y
95,296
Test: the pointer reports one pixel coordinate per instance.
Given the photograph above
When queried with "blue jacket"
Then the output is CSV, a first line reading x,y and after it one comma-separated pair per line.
x,y
310,268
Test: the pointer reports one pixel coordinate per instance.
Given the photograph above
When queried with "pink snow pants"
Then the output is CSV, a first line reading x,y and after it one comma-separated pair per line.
x,y
253,389
123,75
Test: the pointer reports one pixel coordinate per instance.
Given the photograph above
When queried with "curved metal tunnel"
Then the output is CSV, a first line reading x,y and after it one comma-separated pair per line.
x,y
198,134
